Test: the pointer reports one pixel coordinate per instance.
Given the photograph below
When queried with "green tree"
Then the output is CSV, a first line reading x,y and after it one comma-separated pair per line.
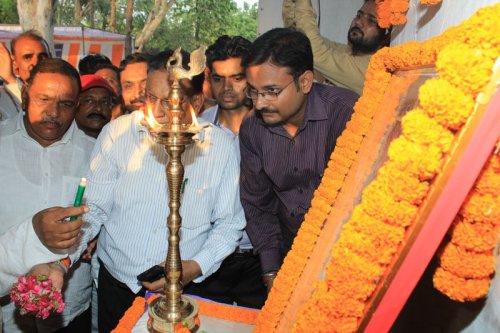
x,y
191,23
8,12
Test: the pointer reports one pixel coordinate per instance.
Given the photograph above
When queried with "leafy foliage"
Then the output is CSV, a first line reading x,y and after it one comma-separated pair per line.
x,y
8,12
188,24
192,23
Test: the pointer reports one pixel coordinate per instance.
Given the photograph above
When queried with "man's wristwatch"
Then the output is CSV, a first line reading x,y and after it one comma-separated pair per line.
x,y
268,277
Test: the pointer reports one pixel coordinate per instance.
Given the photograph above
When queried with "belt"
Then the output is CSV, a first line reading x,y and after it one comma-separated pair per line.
x,y
243,251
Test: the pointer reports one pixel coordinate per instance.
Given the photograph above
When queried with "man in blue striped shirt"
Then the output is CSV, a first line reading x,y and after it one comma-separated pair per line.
x,y
286,141
128,197
238,280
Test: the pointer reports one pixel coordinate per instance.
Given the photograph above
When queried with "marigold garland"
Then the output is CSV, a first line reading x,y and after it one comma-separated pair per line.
x,y
393,12
419,156
207,308
131,316
467,261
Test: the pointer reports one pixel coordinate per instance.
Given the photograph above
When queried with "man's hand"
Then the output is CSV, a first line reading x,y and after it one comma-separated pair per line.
x,y
91,246
6,67
190,270
268,280
51,229
52,271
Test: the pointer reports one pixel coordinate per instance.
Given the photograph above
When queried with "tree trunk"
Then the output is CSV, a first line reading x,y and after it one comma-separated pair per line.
x,y
91,12
38,15
77,19
128,27
112,17
155,17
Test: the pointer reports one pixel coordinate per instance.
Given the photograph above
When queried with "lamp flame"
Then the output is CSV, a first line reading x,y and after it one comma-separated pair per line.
x,y
194,121
150,118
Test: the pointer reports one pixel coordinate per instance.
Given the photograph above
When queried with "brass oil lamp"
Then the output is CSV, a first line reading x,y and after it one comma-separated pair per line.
x,y
173,308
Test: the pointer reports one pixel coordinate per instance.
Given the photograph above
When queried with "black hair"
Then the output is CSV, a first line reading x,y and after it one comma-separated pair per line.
x,y
283,47
51,65
158,62
133,58
115,69
226,47
88,64
30,34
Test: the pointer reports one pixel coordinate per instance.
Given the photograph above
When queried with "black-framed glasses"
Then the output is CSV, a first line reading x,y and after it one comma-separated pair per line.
x,y
269,95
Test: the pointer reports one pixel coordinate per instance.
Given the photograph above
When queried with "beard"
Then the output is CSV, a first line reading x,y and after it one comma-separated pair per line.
x,y
360,44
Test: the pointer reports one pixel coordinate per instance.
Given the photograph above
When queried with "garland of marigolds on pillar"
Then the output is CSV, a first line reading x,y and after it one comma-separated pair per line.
x,y
376,229
467,261
393,12
479,32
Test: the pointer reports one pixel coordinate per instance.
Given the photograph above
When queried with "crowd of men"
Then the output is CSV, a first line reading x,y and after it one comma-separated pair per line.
x,y
249,177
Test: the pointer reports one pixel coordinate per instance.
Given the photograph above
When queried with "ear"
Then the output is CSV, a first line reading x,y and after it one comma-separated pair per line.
x,y
306,81
24,98
15,67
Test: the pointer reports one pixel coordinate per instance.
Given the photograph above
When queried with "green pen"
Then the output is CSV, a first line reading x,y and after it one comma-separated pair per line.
x,y
183,185
79,196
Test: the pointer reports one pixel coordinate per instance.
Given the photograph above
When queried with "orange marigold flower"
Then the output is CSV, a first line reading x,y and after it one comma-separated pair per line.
x,y
349,264
454,64
421,161
402,186
418,127
444,102
467,264
477,237
485,208
458,288
385,208
489,180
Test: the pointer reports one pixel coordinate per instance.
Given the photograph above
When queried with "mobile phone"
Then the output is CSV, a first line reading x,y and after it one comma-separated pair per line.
x,y
152,274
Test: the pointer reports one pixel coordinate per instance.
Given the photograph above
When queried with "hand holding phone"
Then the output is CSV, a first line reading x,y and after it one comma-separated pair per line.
x,y
154,273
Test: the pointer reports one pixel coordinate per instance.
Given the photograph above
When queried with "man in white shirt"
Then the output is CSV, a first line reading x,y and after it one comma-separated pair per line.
x,y
42,157
27,50
127,195
37,241
27,244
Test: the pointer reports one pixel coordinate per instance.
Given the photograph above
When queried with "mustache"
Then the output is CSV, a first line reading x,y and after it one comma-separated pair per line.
x,y
266,110
138,100
356,29
95,114
51,120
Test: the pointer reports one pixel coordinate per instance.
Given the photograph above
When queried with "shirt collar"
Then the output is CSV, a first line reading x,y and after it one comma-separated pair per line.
x,y
315,109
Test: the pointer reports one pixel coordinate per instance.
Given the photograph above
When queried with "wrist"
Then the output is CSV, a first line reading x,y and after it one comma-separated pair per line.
x,y
63,263
268,277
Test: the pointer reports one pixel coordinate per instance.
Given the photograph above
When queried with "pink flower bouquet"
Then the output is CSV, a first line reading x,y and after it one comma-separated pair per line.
x,y
35,295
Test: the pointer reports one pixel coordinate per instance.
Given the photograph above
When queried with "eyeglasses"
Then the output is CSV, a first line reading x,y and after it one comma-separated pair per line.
x,y
92,102
165,103
270,95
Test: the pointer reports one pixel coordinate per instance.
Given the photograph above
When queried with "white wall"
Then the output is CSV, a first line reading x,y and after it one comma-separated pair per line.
x,y
336,16
425,22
